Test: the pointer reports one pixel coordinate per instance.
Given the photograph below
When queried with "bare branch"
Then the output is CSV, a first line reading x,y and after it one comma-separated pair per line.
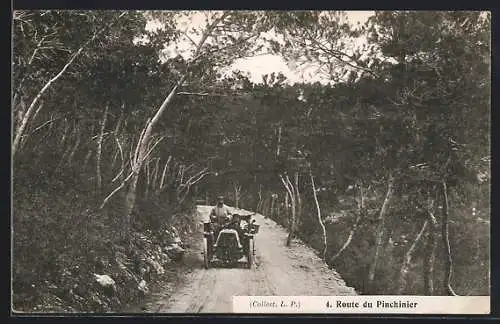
x,y
205,94
195,178
207,32
117,189
164,171
336,54
235,44
152,148
43,125
189,38
408,257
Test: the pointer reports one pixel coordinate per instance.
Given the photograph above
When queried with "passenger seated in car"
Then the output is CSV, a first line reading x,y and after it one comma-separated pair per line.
x,y
236,223
220,213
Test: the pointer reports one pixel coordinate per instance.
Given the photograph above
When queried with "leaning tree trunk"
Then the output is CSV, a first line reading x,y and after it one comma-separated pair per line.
x,y
446,242
361,211
407,259
380,234
318,210
143,144
142,152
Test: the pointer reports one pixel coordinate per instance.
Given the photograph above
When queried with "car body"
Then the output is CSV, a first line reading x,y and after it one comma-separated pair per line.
x,y
230,242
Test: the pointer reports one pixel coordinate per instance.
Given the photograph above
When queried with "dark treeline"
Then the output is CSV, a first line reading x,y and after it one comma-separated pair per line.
x,y
385,173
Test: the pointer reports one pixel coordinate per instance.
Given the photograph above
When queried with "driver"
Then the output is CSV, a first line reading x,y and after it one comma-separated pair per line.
x,y
220,214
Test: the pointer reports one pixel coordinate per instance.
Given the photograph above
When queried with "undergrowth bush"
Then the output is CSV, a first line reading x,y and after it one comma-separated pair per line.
x,y
61,239
469,240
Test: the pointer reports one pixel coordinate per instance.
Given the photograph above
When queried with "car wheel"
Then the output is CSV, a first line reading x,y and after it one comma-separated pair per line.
x,y
206,257
250,253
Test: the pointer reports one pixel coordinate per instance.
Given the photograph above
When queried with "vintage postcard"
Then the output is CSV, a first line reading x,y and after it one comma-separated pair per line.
x,y
251,162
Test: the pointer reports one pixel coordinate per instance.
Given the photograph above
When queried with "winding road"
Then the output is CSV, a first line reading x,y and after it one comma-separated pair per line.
x,y
277,270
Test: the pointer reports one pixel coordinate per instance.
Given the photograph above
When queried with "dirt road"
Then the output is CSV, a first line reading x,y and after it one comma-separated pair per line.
x,y
278,270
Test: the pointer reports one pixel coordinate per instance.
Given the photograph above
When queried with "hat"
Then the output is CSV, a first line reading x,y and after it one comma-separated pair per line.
x,y
220,197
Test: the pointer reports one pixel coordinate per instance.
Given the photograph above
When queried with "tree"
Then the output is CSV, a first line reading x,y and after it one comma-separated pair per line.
x,y
50,39
321,41
220,29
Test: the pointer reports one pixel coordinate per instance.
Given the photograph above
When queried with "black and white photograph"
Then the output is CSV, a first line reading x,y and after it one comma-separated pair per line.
x,y
180,161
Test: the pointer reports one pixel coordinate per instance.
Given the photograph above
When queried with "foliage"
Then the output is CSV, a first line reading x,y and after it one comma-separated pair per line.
x,y
413,102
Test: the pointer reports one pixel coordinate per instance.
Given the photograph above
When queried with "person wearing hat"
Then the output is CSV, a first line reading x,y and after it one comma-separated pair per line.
x,y
220,213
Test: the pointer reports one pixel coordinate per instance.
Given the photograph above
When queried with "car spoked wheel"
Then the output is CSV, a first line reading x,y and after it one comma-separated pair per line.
x,y
250,253
206,256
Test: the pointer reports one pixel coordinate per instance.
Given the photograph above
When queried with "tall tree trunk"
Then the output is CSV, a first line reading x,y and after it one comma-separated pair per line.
x,y
298,198
259,202
264,207
289,188
130,199
99,148
278,146
147,177
278,209
407,259
143,143
291,233
237,190
274,198
318,212
120,119
446,242
380,234
287,202
361,211
430,254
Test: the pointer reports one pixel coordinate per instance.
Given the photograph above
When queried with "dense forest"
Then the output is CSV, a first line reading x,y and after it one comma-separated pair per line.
x,y
384,170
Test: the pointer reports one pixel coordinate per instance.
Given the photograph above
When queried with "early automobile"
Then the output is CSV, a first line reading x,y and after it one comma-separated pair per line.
x,y
230,242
